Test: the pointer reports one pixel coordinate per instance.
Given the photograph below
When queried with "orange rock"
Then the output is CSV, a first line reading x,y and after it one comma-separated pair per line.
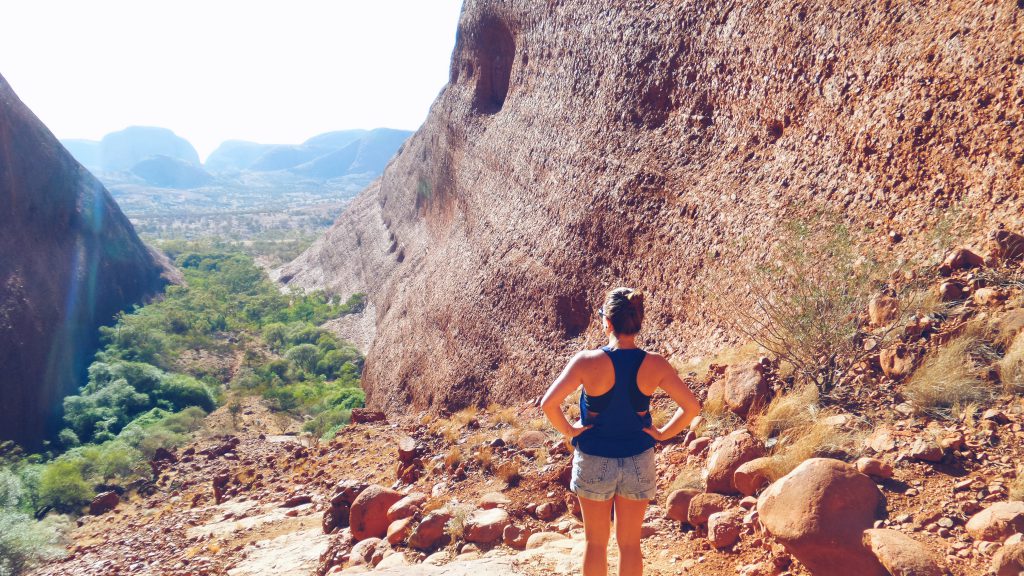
x,y
703,505
678,504
399,530
897,361
883,310
1003,246
753,476
745,387
997,522
726,455
1009,561
818,513
900,554
961,259
368,517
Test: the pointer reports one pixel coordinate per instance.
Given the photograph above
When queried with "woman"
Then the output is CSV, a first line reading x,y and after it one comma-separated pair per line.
x,y
613,465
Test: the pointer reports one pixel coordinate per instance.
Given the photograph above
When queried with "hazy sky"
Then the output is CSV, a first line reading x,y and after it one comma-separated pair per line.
x,y
213,70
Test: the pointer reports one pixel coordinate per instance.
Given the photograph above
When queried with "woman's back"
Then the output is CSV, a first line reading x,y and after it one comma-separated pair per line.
x,y
615,405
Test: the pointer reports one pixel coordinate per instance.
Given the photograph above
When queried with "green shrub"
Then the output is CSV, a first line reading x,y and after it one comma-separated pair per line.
x,y
10,489
61,485
305,356
25,543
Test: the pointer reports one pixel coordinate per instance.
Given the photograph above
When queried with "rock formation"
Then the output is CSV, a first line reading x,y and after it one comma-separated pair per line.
x,y
120,151
590,143
69,260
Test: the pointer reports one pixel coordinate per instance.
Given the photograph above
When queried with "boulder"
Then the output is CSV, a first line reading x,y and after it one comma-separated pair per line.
x,y
951,291
752,477
408,449
494,500
1009,561
897,361
431,531
532,439
818,512
365,416
486,526
988,296
705,504
399,530
540,539
874,467
724,528
997,522
745,387
516,536
1003,246
407,506
396,560
961,259
369,515
727,454
677,505
363,551
900,554
883,310
927,450
103,503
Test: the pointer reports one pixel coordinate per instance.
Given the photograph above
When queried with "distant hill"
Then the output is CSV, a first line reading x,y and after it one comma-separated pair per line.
x,y
120,151
337,154
167,172
236,155
369,154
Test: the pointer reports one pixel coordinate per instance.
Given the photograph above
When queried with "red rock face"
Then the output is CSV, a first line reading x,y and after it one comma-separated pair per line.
x,y
587,144
69,260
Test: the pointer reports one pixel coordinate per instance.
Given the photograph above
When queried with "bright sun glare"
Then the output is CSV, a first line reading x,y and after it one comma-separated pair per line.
x,y
266,71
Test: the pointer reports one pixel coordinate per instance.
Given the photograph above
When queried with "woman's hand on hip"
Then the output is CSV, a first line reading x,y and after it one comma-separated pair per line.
x,y
578,428
658,435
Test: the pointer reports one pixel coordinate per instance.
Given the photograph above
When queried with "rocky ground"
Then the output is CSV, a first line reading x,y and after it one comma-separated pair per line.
x,y
902,470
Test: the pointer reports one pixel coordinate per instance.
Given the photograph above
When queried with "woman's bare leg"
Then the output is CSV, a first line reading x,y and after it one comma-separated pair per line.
x,y
597,520
629,519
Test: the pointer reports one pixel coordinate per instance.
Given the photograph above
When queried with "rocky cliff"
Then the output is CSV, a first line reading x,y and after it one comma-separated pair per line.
x,y
584,144
69,260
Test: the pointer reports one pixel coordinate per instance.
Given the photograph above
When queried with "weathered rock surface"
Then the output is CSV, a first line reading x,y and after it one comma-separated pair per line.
x,y
1009,561
580,145
69,261
997,522
727,455
486,526
900,554
818,512
369,515
678,504
746,387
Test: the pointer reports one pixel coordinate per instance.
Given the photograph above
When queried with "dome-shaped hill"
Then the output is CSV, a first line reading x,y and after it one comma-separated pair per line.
x,y
167,172
235,155
119,151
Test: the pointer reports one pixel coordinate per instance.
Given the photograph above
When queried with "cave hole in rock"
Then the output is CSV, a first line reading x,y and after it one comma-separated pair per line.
x,y
572,314
493,51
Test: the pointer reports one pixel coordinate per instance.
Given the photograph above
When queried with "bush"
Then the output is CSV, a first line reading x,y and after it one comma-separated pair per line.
x,y
10,489
951,377
305,356
61,486
806,304
25,543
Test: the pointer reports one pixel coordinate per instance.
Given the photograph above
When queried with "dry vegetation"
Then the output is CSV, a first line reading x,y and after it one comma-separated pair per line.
x,y
1011,367
1017,486
952,377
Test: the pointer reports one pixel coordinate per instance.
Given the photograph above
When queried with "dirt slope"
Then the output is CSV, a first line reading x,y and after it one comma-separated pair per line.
x,y
587,144
69,260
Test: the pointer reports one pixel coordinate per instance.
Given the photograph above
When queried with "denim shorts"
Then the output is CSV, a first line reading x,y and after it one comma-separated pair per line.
x,y
600,478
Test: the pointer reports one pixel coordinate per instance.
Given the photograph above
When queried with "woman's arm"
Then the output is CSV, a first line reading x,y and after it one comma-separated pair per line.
x,y
567,382
689,406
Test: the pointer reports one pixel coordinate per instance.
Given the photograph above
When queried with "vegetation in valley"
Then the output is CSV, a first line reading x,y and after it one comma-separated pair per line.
x,y
226,331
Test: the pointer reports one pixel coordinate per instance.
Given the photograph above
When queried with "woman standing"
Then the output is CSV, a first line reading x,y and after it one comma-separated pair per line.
x,y
613,466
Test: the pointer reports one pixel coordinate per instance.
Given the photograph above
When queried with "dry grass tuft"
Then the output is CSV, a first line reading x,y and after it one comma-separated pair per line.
x,y
1011,367
465,416
502,415
810,441
485,457
795,408
951,377
456,527
509,473
717,420
453,458
1017,486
